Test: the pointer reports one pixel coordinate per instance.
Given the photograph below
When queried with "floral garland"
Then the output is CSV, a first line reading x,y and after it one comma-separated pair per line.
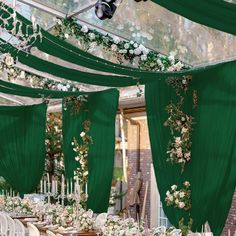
x,y
123,50
179,147
27,35
179,198
180,124
81,149
13,74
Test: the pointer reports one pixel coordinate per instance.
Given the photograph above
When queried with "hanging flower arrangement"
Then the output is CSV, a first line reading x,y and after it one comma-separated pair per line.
x,y
27,35
7,66
180,124
124,50
179,198
81,148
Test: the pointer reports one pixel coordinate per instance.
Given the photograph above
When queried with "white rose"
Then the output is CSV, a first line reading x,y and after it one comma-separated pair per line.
x,y
59,86
126,45
186,183
135,45
91,36
181,205
116,39
181,194
131,51
84,29
22,74
9,60
137,51
143,57
174,187
64,88
66,36
82,134
114,47
170,198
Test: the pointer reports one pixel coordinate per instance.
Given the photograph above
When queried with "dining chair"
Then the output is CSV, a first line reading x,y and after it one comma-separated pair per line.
x,y
101,220
176,232
50,233
11,226
3,225
33,231
20,228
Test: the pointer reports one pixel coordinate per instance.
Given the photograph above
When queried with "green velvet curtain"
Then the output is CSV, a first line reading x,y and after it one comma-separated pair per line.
x,y
100,109
22,145
217,14
211,171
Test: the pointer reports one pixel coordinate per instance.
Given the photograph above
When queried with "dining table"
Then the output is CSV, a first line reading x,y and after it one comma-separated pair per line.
x,y
43,227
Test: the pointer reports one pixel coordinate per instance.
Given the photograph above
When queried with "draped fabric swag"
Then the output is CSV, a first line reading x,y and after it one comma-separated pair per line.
x,y
22,149
211,170
100,110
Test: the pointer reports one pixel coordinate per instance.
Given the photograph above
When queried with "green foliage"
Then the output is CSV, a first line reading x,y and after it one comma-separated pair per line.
x,y
118,173
54,155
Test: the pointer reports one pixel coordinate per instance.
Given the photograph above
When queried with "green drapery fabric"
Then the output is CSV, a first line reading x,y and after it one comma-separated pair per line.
x,y
211,170
217,14
64,72
96,79
15,89
22,148
100,109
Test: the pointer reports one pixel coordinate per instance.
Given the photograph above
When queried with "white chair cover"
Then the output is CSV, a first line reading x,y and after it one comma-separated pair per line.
x,y
3,225
101,220
161,230
20,229
50,233
33,231
11,226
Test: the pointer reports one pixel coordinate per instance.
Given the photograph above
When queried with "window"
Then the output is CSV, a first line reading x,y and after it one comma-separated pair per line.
x,y
163,220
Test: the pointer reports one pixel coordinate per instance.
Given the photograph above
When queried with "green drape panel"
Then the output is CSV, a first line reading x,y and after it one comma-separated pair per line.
x,y
97,79
11,88
22,145
217,14
211,171
102,107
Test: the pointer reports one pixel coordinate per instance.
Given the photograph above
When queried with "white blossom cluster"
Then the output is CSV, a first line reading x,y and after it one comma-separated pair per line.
x,y
179,198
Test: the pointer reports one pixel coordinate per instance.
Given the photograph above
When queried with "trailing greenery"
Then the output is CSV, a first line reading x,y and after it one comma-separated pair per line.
x,y
123,50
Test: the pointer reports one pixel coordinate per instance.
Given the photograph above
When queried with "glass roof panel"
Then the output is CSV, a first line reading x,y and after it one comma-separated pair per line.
x,y
164,31
147,23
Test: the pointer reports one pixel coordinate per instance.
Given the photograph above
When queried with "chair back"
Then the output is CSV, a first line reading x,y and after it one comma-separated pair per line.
x,y
3,224
11,226
50,233
33,231
101,220
20,228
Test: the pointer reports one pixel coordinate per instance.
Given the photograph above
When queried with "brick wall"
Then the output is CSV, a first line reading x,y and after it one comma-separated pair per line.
x,y
231,220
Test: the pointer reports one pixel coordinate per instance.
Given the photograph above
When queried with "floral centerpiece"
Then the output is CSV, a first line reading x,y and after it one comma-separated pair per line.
x,y
86,220
18,205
